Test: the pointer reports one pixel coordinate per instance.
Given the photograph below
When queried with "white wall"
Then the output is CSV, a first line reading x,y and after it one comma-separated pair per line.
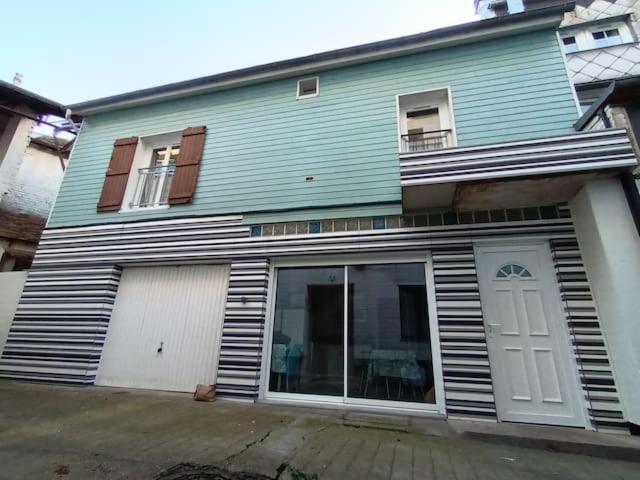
x,y
610,247
35,184
11,284
15,146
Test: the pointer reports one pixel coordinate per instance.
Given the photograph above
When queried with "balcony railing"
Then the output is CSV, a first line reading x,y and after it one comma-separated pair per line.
x,y
426,141
153,186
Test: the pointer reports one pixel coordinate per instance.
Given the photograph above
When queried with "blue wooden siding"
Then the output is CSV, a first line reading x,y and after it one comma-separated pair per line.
x,y
262,142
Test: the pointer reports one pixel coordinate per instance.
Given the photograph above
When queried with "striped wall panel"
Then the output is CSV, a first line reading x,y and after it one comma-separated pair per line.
x,y
568,153
596,374
463,346
242,332
60,325
62,319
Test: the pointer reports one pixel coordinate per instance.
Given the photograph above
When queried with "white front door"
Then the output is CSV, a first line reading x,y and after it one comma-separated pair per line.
x,y
530,356
165,328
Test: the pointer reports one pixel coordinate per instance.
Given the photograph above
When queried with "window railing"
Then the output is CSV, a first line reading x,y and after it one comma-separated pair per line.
x,y
153,186
426,141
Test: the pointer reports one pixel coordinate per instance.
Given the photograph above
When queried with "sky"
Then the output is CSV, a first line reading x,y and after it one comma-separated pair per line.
x,y
73,51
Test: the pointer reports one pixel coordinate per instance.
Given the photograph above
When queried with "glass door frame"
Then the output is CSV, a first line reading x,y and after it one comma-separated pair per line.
x,y
423,257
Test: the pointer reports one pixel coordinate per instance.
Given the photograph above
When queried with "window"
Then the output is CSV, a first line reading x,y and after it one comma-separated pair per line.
x,y
373,345
378,223
425,121
513,270
153,171
308,87
314,227
576,39
606,38
154,180
570,44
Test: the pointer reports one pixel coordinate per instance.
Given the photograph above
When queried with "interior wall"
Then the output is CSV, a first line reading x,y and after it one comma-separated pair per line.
x,y
611,249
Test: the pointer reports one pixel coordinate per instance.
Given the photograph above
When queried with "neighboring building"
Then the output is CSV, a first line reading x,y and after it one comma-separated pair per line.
x,y
601,42
31,170
600,38
388,226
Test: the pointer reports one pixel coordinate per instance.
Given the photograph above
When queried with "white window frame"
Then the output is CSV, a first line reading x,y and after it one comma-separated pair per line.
x,y
344,401
308,95
604,30
142,159
584,36
564,47
447,121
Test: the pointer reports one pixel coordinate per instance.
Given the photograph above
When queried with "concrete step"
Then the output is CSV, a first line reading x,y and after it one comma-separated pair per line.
x,y
379,421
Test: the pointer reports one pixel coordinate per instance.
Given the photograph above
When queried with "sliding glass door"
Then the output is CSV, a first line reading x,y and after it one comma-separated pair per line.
x,y
307,351
389,349
357,333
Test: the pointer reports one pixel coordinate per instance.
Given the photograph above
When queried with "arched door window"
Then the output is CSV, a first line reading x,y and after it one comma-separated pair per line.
x,y
513,270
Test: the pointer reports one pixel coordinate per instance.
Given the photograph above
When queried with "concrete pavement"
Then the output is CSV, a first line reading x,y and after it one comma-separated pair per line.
x,y
53,432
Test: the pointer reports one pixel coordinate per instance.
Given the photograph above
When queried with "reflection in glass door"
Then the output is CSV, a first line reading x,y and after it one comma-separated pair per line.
x,y
388,341
307,351
389,347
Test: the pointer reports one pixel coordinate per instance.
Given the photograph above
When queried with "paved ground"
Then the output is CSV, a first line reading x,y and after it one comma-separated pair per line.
x,y
91,433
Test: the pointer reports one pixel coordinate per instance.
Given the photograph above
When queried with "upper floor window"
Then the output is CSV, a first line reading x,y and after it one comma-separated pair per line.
x,y
570,44
575,39
154,181
426,121
606,38
153,171
308,87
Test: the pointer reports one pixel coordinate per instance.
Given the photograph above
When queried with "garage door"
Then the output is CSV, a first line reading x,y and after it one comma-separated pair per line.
x,y
165,328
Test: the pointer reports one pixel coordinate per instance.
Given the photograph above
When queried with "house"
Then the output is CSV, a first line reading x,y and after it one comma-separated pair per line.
x,y
600,39
31,169
387,227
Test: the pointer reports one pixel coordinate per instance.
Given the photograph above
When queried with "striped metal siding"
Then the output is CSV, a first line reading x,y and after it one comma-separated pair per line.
x,y
65,254
589,348
568,153
463,346
60,325
243,329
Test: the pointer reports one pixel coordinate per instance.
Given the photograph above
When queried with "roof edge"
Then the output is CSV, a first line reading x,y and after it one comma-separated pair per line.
x,y
439,38
33,99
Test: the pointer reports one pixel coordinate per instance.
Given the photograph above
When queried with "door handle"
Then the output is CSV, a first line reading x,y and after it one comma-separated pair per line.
x,y
493,329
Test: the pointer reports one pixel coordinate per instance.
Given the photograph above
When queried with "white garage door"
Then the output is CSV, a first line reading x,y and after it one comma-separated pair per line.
x,y
165,328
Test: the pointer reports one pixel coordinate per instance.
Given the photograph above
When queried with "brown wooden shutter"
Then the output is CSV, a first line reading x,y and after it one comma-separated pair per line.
x,y
185,178
115,181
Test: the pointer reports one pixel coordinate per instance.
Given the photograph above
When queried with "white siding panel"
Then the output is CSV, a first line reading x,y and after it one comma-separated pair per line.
x,y
180,307
11,284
